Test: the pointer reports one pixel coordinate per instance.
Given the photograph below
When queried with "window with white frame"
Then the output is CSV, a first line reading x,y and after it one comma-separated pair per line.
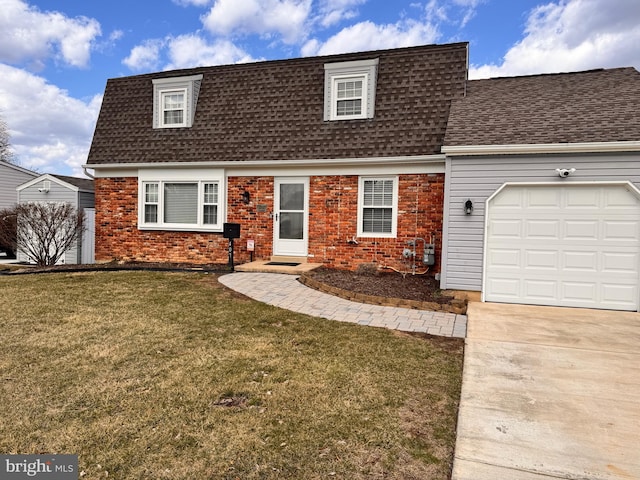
x,y
349,96
377,206
180,204
175,100
350,90
173,105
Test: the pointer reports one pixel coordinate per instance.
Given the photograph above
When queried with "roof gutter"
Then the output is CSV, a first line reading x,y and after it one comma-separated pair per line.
x,y
84,167
438,158
541,148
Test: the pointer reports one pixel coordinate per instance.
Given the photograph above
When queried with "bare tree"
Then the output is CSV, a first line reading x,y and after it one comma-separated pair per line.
x,y
6,154
41,231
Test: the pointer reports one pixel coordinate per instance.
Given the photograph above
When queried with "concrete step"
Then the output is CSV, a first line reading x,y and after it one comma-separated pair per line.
x,y
288,259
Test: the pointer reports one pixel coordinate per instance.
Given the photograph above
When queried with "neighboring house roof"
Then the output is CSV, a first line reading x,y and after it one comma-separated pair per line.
x,y
581,107
273,111
73,183
83,184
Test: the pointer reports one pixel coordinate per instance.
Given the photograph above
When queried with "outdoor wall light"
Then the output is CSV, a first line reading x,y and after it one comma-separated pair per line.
x,y
468,207
246,197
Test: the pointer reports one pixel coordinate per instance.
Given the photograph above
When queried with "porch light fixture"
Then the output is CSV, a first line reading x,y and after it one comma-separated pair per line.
x,y
468,207
246,197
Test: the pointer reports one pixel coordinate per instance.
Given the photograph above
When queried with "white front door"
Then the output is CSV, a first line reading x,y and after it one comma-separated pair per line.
x,y
290,216
572,245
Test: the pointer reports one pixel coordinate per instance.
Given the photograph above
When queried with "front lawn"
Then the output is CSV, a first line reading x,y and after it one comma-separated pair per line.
x,y
172,376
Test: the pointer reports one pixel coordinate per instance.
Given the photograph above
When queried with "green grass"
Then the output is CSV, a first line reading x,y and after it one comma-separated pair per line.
x,y
172,376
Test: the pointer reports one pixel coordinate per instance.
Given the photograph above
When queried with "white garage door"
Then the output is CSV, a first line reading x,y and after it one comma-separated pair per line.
x,y
575,245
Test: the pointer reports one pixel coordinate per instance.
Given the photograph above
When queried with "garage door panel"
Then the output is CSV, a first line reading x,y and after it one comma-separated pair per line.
x,y
584,262
542,229
581,230
584,292
541,259
542,199
510,200
509,258
565,245
505,288
614,294
546,290
581,199
620,263
507,229
620,199
621,230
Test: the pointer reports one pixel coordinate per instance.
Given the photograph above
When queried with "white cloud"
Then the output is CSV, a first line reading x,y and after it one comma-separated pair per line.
x,y
455,12
188,51
335,11
50,131
116,35
29,35
184,51
573,35
287,18
370,36
145,57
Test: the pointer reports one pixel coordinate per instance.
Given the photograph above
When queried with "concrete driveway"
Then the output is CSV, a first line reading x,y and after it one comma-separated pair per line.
x,y
549,393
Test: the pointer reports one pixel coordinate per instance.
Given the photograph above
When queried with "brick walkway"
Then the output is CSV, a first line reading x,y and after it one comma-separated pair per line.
x,y
285,291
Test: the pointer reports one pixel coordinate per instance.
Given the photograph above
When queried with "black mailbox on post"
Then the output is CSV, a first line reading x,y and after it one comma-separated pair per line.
x,y
231,230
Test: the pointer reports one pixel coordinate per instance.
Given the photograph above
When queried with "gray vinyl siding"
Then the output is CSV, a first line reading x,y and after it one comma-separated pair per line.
x,y
10,178
86,199
477,178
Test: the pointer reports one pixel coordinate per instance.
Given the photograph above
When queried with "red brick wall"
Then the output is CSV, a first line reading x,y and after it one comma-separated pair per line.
x,y
333,202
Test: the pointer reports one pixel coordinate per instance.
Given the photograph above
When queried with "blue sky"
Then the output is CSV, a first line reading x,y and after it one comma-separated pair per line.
x,y
55,56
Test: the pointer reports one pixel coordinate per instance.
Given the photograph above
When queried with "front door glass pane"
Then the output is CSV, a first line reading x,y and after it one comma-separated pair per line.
x,y
291,225
292,196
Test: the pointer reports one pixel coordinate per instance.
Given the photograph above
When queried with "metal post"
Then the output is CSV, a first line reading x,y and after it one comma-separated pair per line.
x,y
231,255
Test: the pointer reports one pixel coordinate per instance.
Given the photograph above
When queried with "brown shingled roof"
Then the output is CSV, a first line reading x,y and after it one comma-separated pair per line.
x,y
84,184
591,106
274,111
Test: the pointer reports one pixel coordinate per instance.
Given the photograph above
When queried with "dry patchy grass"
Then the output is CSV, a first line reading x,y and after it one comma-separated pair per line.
x,y
171,376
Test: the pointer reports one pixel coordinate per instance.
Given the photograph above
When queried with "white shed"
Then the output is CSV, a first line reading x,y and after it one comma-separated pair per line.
x,y
79,192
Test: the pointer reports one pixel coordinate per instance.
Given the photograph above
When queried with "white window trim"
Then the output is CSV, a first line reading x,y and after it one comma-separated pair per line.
x,y
394,207
190,86
200,177
161,110
360,69
335,80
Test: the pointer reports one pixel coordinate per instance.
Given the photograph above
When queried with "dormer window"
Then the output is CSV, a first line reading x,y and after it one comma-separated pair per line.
x,y
174,101
173,108
350,90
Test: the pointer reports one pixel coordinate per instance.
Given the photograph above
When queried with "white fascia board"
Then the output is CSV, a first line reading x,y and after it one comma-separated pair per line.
x,y
542,148
50,178
428,163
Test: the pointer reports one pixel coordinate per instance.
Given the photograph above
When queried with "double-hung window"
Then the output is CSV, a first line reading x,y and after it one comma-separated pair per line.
x,y
350,90
377,206
349,96
175,100
173,104
151,203
181,204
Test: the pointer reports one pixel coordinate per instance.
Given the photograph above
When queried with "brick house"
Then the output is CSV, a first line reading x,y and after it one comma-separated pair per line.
x,y
332,159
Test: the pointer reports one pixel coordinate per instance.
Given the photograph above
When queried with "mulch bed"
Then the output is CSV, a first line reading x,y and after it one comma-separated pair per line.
x,y
384,288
